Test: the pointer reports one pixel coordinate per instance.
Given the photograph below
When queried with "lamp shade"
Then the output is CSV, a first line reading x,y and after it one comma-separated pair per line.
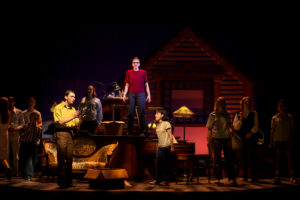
x,y
183,111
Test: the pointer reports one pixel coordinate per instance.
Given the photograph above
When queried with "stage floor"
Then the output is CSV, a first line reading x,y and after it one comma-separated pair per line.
x,y
17,186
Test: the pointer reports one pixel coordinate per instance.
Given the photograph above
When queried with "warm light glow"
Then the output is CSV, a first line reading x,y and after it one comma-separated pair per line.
x,y
152,125
183,111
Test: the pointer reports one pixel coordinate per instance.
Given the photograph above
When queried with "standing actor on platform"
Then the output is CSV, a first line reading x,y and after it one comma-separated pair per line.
x,y
136,82
66,119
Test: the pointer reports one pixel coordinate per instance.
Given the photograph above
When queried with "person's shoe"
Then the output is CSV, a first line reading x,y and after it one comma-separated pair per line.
x,y
127,184
215,181
154,182
245,179
165,183
232,182
28,178
70,185
62,187
293,181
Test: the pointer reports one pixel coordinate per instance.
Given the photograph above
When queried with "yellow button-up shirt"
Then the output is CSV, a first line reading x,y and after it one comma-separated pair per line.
x,y
61,111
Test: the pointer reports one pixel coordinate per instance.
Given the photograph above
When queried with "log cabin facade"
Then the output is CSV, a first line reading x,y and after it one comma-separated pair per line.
x,y
187,62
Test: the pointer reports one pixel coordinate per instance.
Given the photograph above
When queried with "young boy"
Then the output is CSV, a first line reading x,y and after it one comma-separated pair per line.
x,y
29,139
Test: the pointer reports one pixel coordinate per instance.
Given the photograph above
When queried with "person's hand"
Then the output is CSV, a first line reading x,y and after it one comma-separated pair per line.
x,y
172,149
124,99
249,135
240,115
38,142
148,99
76,114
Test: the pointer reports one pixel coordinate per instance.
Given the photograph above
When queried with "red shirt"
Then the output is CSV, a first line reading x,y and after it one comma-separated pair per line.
x,y
136,80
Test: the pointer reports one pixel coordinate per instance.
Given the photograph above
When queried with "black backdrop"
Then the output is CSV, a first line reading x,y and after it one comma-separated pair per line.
x,y
43,60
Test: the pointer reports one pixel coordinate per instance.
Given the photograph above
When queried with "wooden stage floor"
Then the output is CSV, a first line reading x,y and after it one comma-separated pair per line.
x,y
41,189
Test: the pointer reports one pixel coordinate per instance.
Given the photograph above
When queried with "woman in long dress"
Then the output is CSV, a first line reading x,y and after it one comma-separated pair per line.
x,y
4,125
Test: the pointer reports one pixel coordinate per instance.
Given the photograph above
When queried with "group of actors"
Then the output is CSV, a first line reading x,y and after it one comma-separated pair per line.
x,y
24,128
20,135
221,131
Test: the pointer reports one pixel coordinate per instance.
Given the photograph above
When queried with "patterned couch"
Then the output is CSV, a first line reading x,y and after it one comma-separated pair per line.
x,y
86,155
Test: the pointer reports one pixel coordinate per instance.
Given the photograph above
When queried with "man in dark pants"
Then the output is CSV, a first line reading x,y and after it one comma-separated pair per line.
x,y
66,119
136,83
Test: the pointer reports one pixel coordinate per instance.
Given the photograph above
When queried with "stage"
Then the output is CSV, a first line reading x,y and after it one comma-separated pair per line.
x,y
41,189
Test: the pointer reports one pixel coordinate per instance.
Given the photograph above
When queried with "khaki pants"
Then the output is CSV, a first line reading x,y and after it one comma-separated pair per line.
x,y
64,158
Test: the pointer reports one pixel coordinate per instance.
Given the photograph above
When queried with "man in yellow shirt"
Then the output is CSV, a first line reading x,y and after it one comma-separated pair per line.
x,y
66,119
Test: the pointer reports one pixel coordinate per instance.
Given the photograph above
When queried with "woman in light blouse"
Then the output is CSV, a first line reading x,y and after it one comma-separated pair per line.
x,y
245,124
219,125
165,147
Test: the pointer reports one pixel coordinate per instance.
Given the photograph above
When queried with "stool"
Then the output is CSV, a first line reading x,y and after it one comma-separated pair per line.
x,y
188,165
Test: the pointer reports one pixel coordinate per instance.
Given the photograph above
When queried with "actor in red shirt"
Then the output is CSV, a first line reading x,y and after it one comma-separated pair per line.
x,y
136,83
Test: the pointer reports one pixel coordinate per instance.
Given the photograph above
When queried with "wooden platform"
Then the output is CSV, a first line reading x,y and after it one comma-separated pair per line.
x,y
40,189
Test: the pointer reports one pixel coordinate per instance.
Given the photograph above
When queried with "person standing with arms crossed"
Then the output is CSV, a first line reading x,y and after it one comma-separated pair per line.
x,y
16,125
136,83
219,125
66,120
245,124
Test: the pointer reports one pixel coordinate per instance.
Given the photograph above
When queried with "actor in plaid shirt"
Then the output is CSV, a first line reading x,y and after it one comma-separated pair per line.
x,y
29,139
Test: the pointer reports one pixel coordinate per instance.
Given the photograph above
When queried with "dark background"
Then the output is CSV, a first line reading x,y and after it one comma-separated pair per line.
x,y
43,60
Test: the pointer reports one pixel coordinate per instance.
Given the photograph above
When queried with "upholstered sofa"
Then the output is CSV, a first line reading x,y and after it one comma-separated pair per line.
x,y
86,155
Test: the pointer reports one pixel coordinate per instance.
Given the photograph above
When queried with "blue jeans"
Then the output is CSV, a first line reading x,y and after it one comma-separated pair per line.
x,y
27,159
136,99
